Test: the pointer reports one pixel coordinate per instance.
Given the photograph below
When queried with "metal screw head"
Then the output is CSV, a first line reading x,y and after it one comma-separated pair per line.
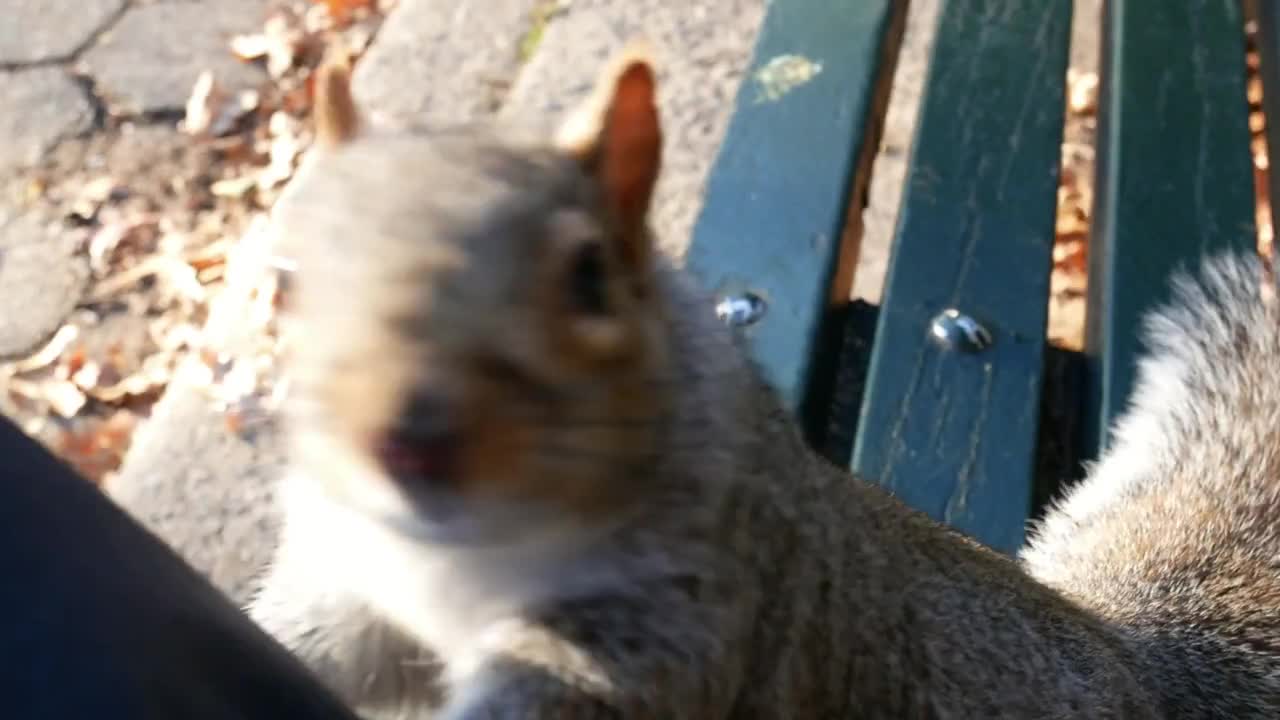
x,y
954,330
740,309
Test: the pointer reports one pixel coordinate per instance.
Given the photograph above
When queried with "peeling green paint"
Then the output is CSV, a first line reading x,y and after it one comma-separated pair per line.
x,y
783,74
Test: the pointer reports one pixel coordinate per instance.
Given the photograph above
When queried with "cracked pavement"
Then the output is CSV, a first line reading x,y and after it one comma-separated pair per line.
x,y
63,65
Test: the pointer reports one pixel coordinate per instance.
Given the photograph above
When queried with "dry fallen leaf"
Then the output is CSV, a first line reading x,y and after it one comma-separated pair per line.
x,y
202,105
33,191
63,396
234,187
166,239
1071,255
250,46
96,449
285,38
109,235
48,354
1069,278
87,377
211,112
92,196
1083,91
154,373
1263,218
341,11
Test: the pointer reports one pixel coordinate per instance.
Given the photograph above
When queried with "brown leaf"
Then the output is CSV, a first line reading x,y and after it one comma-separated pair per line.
x,y
341,11
297,100
234,421
97,448
155,373
1071,256
109,236
74,360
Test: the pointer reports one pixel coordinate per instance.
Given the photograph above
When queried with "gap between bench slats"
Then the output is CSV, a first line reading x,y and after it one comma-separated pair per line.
x,y
1268,39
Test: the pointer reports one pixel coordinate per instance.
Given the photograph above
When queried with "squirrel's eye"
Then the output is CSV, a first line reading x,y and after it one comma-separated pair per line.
x,y
587,280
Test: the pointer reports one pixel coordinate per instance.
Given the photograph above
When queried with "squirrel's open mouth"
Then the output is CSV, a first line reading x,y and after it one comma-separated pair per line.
x,y
422,445
428,459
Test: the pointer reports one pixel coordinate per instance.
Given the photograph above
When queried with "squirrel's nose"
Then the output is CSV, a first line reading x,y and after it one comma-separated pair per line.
x,y
421,445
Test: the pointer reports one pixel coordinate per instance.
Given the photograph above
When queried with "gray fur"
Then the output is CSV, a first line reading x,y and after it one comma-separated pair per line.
x,y
1175,535
732,573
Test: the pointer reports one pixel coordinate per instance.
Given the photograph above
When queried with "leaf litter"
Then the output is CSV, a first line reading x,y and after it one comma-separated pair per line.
x,y
172,224
1069,279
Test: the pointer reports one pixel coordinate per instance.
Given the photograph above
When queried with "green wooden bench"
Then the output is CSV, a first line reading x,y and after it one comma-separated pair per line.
x,y
947,393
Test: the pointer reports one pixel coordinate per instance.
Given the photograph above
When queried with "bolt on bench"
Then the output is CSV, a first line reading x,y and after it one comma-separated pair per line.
x,y
939,394
946,394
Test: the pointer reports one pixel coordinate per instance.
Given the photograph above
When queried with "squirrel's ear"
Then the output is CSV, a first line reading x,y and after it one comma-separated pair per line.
x,y
337,118
618,138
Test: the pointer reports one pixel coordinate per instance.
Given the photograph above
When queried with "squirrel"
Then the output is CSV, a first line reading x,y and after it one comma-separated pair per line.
x,y
533,475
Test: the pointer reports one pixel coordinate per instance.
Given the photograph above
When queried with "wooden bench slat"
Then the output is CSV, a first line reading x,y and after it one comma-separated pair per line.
x,y
1174,174
950,432
797,149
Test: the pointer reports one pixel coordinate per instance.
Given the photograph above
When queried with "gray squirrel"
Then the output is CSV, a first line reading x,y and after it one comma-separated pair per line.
x,y
534,477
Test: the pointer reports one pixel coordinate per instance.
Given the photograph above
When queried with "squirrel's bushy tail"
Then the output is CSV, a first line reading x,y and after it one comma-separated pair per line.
x,y
1174,536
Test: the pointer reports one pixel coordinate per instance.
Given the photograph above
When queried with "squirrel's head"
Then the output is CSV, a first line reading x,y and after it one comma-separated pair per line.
x,y
477,320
